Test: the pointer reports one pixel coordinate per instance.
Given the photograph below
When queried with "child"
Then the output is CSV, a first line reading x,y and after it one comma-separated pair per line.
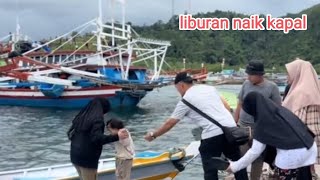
x,y
124,151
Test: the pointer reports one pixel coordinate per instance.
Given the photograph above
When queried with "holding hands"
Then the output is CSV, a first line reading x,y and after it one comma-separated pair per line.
x,y
123,133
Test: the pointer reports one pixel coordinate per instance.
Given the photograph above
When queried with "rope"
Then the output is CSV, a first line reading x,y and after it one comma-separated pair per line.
x,y
189,162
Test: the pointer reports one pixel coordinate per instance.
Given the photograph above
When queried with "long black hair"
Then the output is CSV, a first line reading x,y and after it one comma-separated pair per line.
x,y
94,110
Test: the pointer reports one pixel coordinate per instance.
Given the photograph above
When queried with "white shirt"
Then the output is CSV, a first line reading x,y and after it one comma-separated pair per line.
x,y
125,148
285,159
205,98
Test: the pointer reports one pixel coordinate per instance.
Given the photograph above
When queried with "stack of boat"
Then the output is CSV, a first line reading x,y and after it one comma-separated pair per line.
x,y
226,76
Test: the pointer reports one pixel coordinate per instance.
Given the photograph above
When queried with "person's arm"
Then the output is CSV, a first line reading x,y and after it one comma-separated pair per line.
x,y
275,95
97,135
239,105
225,103
252,154
169,124
237,111
179,112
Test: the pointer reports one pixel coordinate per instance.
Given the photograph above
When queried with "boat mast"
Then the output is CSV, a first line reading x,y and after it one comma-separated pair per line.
x,y
99,32
112,23
123,17
16,36
222,64
128,36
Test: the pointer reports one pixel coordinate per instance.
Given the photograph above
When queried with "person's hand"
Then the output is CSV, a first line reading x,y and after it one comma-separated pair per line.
x,y
229,170
123,134
149,137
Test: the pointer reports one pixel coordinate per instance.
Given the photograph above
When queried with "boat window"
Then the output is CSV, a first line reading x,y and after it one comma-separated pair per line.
x,y
24,64
50,59
63,57
84,60
133,75
56,59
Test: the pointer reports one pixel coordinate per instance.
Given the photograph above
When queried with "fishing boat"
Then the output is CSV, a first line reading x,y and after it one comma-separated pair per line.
x,y
230,97
226,76
146,166
197,75
279,79
48,75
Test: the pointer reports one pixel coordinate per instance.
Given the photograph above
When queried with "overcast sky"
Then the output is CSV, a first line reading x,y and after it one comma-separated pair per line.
x,y
45,18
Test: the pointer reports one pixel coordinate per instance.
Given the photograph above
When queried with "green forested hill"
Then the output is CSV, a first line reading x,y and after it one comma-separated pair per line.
x,y
237,47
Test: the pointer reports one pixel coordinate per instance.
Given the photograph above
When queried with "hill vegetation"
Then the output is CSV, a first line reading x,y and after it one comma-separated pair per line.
x,y
238,47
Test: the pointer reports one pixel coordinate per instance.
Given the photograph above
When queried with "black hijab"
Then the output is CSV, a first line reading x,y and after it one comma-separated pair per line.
x,y
94,110
275,125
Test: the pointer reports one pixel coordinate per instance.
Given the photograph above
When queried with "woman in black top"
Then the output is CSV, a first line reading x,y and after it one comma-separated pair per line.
x,y
289,144
87,137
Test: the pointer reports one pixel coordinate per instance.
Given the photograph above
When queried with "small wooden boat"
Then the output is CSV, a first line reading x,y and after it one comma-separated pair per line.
x,y
230,97
146,166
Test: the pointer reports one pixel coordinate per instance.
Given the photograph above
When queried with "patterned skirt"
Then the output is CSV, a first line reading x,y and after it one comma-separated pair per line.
x,y
310,115
303,173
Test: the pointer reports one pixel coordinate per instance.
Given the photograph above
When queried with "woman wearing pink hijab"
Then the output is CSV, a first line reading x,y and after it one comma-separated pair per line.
x,y
303,98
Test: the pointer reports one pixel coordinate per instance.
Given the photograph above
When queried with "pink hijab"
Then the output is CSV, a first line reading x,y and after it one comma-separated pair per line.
x,y
305,87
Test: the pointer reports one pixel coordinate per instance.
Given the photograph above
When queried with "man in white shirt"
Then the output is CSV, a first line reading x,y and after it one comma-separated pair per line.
x,y
213,142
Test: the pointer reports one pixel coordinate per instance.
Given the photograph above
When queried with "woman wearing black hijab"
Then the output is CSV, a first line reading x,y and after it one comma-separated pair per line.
x,y
277,127
87,137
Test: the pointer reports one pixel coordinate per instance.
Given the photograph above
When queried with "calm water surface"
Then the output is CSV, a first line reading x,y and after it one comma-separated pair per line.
x,y
32,137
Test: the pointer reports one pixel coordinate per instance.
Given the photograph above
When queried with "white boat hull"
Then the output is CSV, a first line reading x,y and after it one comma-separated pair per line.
x,y
146,166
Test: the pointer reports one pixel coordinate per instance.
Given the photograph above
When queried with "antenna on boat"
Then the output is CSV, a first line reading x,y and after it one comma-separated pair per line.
x,y
17,29
189,7
222,64
123,3
16,36
100,32
112,23
100,29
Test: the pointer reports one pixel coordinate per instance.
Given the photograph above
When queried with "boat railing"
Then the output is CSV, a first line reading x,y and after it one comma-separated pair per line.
x,y
5,38
81,28
128,84
125,43
153,41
